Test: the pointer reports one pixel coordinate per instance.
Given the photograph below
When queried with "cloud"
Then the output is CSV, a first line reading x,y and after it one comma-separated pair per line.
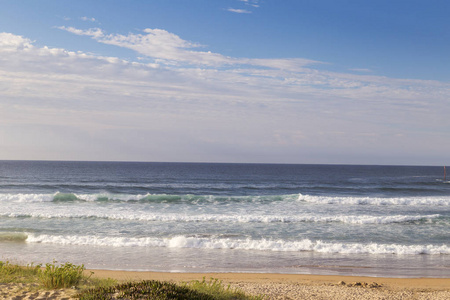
x,y
281,75
93,32
12,43
156,43
234,109
169,48
363,70
87,19
239,11
253,3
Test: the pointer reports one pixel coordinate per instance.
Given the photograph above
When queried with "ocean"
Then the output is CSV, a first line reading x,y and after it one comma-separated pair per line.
x,y
204,217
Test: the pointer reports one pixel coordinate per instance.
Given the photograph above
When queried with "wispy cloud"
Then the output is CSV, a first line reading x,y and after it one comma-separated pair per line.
x,y
93,32
87,19
239,11
254,3
251,3
186,99
362,70
168,48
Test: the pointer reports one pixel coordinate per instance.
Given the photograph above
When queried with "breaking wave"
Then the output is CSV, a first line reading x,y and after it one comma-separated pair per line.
x,y
195,199
173,217
243,244
13,237
411,201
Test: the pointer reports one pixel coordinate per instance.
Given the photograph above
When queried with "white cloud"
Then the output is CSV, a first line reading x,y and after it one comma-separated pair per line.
x,y
79,103
166,47
12,43
239,11
87,19
363,70
287,64
156,43
253,3
93,32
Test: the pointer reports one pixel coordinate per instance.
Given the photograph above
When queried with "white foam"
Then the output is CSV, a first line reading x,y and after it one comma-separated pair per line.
x,y
243,244
411,201
172,217
118,197
21,197
26,197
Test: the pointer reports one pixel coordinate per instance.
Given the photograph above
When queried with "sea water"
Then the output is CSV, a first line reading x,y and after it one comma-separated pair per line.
x,y
191,217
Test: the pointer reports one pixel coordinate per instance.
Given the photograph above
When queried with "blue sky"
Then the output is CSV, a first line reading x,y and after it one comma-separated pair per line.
x,y
363,82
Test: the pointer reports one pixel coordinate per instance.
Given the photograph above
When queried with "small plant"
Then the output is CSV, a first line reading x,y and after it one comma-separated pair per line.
x,y
15,273
157,290
147,289
51,277
216,288
63,276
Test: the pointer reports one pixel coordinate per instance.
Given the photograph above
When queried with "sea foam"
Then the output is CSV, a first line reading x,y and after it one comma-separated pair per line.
x,y
243,244
196,199
220,218
411,201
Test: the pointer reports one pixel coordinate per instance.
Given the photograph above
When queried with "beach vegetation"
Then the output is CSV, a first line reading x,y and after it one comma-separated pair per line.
x,y
218,290
14,273
157,290
55,276
148,289
68,275
52,276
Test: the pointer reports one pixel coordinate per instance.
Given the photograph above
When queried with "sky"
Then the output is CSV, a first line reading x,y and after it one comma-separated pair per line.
x,y
243,81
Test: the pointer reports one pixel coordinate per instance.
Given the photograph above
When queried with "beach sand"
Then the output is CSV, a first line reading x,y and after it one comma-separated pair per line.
x,y
275,286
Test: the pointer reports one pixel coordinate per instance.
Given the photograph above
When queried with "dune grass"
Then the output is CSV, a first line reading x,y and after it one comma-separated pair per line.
x,y
14,273
216,288
61,276
157,290
52,276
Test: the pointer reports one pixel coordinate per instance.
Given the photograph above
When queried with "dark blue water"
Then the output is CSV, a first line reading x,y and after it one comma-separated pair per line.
x,y
220,179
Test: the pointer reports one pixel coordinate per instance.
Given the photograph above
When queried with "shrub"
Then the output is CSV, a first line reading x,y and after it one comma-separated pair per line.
x,y
63,276
147,289
157,290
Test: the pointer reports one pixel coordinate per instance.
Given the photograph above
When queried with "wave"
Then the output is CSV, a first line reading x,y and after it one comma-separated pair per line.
x,y
243,244
151,198
410,201
13,237
148,217
196,199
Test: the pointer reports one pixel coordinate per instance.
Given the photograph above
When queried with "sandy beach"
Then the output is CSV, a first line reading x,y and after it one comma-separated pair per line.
x,y
288,286
274,286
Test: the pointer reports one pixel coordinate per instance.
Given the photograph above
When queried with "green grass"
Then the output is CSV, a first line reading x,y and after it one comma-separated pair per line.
x,y
157,290
13,273
62,276
216,288
52,276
